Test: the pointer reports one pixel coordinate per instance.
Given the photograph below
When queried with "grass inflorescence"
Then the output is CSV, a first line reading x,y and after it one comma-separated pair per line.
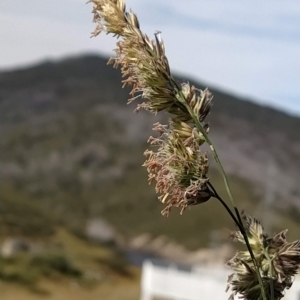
x,y
177,163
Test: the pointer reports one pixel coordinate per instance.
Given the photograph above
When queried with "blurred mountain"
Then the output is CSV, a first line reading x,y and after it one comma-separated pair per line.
x,y
72,148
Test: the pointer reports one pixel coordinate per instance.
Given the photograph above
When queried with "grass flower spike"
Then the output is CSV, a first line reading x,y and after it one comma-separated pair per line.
x,y
278,263
177,163
178,167
143,62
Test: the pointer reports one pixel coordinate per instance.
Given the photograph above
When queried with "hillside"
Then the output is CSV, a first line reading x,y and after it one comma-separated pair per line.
x,y
72,149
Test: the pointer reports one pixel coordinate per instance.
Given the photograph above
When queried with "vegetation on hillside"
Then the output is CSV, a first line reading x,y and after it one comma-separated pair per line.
x,y
72,150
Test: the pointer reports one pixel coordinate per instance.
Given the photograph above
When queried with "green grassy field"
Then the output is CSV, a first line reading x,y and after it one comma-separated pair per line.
x,y
77,269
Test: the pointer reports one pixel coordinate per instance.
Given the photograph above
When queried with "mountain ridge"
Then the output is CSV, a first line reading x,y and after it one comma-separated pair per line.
x,y
68,136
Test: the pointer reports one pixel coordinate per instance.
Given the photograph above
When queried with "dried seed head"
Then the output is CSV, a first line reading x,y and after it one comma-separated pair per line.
x,y
145,66
143,62
178,166
200,101
278,261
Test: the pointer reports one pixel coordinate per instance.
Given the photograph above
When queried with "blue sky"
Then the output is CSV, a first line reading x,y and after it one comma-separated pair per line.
x,y
250,48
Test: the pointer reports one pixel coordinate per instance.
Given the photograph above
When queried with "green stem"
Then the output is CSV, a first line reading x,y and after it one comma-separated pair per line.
x,y
182,100
180,97
270,273
233,217
238,221
251,254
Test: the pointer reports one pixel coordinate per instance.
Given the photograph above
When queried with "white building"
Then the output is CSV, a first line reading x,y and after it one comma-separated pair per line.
x,y
171,281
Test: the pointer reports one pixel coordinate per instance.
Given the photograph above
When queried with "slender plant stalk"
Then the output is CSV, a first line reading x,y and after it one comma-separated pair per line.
x,y
238,221
252,255
178,166
233,217
182,100
271,272
240,225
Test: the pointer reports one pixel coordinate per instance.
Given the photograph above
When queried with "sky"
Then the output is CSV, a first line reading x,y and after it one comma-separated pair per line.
x,y
248,48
